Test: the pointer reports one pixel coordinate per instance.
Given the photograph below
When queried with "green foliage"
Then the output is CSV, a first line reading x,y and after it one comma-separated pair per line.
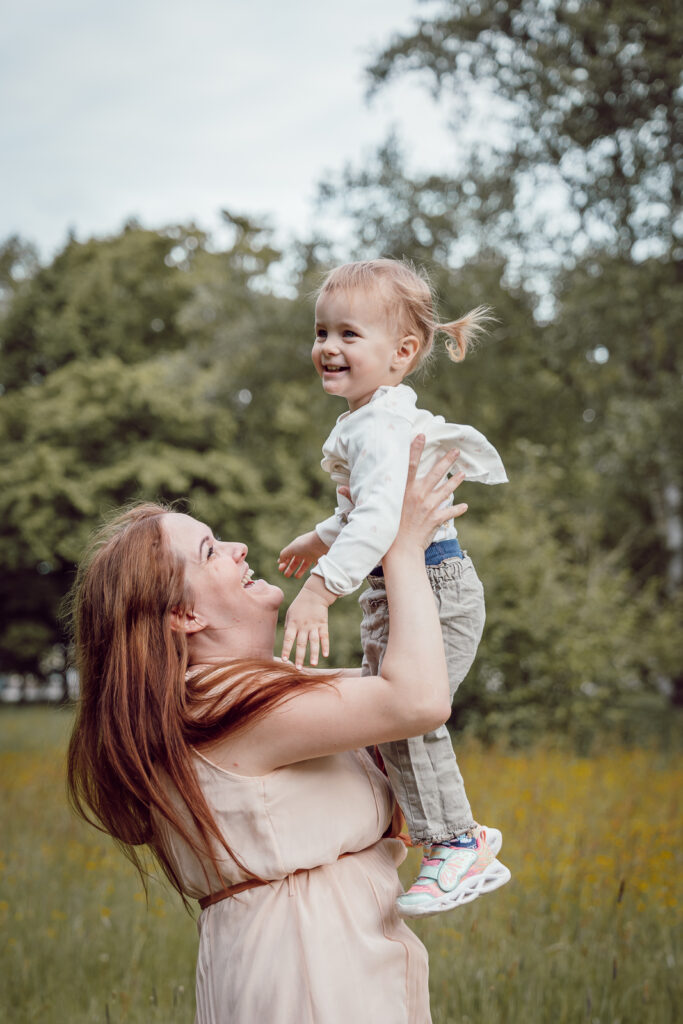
x,y
572,641
152,365
231,416
104,404
118,296
583,372
591,92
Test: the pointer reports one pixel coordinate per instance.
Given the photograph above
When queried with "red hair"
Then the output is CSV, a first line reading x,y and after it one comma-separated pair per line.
x,y
139,714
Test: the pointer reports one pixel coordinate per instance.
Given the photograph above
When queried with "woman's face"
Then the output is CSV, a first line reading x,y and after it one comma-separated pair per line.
x,y
225,596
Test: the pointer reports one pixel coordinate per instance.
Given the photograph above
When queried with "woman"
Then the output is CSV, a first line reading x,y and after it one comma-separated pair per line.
x,y
245,776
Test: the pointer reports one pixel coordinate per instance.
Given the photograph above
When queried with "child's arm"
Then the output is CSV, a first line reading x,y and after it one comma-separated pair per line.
x,y
306,622
378,446
378,455
301,553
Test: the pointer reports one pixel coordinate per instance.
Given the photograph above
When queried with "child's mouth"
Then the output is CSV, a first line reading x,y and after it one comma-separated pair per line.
x,y
335,369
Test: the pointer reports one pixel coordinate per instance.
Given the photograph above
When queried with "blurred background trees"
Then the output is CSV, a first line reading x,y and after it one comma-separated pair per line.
x,y
156,365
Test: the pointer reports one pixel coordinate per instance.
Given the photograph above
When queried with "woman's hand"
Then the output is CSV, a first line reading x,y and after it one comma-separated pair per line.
x,y
423,502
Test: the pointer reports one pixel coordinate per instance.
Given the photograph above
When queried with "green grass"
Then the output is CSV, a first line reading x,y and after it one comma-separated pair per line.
x,y
587,931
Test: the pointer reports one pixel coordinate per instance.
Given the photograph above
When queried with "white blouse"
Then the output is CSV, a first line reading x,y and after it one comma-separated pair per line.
x,y
368,452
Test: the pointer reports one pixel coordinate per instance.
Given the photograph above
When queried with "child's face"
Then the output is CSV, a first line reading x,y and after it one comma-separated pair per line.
x,y
356,349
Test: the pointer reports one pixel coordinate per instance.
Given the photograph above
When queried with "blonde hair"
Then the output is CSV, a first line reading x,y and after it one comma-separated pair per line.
x,y
409,298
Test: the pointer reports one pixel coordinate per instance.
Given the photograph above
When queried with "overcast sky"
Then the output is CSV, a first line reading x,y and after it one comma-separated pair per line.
x,y
168,110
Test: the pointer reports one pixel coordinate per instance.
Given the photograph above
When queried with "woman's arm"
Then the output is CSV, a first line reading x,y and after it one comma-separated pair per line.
x,y
411,694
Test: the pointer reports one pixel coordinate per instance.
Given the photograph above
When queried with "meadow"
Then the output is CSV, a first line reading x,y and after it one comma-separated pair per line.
x,y
587,931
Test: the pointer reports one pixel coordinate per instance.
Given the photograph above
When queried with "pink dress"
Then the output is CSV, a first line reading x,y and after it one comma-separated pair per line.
x,y
324,946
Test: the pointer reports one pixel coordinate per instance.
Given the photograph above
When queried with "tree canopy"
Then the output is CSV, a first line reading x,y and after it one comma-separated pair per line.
x,y
154,365
590,93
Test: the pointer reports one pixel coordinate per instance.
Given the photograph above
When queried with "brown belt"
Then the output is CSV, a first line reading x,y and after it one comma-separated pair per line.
x,y
230,890
252,883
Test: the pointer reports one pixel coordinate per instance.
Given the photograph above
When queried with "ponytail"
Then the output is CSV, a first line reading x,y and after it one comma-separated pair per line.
x,y
463,333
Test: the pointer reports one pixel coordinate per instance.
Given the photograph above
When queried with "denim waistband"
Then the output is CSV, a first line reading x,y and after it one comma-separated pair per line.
x,y
434,555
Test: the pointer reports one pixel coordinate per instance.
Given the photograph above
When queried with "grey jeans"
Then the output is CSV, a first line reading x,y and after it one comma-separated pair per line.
x,y
423,770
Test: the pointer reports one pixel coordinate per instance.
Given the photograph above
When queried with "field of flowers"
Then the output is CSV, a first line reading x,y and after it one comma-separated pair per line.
x,y
589,929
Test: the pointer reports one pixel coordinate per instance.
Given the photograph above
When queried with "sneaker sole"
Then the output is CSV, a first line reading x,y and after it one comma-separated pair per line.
x,y
488,880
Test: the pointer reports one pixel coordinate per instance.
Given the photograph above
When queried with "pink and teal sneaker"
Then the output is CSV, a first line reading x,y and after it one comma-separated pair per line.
x,y
455,873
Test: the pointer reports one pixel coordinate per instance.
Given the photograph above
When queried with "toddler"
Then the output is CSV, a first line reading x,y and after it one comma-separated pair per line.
x,y
375,324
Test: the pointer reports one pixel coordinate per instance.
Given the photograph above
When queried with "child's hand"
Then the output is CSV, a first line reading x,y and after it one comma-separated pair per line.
x,y
301,554
306,622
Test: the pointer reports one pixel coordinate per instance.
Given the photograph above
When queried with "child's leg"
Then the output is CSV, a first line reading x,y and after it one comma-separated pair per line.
x,y
423,769
459,595
459,862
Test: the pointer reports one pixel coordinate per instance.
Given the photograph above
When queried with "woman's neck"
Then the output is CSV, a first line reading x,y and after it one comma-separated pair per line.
x,y
212,647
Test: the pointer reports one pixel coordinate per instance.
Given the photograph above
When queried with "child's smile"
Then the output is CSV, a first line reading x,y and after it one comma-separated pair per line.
x,y
356,348
329,368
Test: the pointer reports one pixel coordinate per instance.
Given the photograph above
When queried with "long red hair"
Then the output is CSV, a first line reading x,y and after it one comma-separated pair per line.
x,y
139,714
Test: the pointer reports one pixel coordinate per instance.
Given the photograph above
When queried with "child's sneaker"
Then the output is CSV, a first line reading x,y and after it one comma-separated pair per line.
x,y
455,873
492,836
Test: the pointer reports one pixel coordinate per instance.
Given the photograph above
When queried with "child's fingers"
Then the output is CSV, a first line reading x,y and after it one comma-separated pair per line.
x,y
288,641
314,642
301,645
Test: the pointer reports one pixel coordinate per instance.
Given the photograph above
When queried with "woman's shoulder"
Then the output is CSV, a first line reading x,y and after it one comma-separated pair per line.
x,y
214,760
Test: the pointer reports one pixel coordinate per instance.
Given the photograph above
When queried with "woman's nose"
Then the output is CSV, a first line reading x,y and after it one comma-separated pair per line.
x,y
238,552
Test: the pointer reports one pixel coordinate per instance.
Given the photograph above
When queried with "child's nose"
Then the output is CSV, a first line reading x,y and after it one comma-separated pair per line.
x,y
330,344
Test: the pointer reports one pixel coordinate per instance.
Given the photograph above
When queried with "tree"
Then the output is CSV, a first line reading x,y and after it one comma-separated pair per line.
x,y
119,296
585,365
103,405
591,94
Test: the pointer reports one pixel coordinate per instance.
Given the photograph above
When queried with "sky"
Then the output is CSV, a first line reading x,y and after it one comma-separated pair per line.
x,y
169,111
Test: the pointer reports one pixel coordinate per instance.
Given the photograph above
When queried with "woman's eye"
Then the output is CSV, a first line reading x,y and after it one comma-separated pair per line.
x,y
210,552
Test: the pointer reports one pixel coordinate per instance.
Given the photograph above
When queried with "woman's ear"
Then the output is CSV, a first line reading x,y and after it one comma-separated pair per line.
x,y
184,621
406,352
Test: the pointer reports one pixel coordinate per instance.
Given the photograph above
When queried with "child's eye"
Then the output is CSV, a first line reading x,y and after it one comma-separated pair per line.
x,y
321,334
350,334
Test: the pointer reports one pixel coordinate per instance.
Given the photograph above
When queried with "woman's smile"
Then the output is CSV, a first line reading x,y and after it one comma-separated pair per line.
x,y
247,580
218,574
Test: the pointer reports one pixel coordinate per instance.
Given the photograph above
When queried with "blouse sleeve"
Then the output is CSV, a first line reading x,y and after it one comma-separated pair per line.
x,y
329,529
379,449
